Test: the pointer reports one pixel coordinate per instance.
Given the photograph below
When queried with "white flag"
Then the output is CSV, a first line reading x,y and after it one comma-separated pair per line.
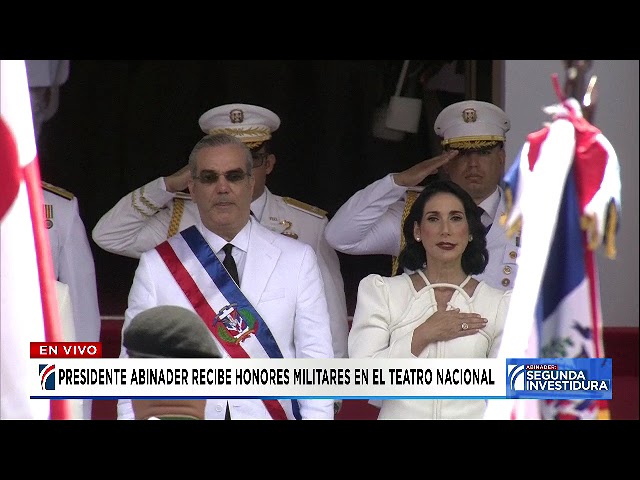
x,y
24,273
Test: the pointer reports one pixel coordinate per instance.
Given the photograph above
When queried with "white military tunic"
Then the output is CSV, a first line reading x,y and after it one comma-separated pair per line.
x,y
73,263
72,259
369,223
143,219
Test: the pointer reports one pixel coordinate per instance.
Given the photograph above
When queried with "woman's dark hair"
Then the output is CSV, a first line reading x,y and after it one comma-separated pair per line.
x,y
475,256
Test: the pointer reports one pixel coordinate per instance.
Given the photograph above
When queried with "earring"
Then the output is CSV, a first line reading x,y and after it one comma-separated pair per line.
x,y
417,239
471,238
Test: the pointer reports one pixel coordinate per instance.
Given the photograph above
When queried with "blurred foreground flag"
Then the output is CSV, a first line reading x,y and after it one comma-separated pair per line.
x,y
564,191
28,304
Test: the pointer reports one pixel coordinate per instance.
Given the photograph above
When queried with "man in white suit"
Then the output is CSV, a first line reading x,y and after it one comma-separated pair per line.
x,y
158,210
473,135
277,299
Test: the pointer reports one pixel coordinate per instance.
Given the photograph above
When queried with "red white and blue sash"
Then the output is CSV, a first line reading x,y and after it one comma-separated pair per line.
x,y
230,317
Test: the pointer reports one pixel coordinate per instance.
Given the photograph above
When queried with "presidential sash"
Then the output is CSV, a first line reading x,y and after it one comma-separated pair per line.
x,y
226,312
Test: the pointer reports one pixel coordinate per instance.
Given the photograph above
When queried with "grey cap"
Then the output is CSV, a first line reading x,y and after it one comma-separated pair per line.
x,y
169,331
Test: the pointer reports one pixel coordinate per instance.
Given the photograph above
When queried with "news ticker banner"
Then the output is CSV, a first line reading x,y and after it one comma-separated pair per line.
x,y
78,372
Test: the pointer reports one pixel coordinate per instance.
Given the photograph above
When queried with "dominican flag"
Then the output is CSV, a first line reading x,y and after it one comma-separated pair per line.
x,y
29,308
564,191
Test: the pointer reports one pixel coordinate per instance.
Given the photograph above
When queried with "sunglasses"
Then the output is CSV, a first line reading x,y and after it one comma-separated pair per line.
x,y
208,177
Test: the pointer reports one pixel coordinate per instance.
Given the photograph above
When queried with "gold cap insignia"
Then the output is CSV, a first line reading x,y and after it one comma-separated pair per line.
x,y
236,115
469,115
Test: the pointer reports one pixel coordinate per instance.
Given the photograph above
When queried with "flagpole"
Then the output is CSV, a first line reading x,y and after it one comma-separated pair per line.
x,y
60,409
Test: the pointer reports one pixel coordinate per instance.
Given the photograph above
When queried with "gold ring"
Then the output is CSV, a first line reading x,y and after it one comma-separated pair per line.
x,y
464,325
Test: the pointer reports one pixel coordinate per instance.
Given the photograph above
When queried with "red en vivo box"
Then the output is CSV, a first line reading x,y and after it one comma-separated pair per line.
x,y
66,350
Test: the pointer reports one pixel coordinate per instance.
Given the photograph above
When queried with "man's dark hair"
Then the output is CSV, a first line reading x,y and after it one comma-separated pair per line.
x,y
265,147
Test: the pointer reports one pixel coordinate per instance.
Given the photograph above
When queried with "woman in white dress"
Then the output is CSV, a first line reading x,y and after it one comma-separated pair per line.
x,y
439,310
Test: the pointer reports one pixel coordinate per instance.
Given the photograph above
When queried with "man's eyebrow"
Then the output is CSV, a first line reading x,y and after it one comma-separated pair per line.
x,y
207,170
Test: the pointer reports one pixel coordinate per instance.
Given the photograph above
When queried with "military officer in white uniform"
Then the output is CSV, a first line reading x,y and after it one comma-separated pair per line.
x,y
150,214
473,136
73,264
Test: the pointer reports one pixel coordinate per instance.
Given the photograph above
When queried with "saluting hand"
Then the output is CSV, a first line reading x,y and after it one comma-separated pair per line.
x,y
446,325
178,181
412,176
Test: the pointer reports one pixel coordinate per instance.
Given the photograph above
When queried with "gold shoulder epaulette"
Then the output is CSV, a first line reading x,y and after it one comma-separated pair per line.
x,y
57,190
305,207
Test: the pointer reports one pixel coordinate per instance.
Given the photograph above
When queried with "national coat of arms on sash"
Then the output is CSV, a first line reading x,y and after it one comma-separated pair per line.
x,y
234,325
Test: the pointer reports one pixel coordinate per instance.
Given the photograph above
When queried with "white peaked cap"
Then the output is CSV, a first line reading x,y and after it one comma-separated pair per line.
x,y
250,123
472,124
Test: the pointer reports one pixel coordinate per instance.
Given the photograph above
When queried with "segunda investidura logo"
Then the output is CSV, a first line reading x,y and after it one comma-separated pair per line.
x,y
559,378
47,376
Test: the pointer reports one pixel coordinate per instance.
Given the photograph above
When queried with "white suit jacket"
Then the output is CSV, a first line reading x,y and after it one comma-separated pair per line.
x,y
141,220
282,281
369,223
